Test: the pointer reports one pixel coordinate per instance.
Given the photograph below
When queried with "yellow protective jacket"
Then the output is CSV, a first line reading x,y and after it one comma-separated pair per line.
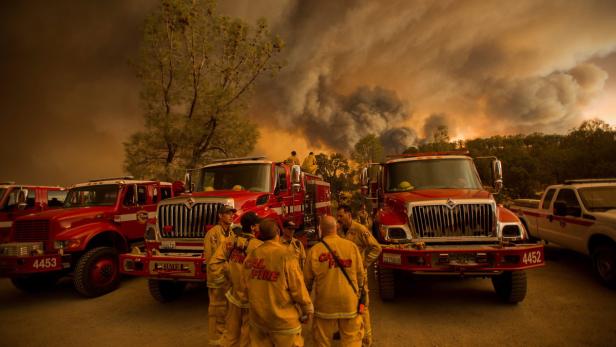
x,y
334,296
292,160
213,238
368,245
296,248
273,285
310,164
225,267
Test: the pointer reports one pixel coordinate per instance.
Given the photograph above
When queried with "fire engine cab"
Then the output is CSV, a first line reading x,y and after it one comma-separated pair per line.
x,y
173,254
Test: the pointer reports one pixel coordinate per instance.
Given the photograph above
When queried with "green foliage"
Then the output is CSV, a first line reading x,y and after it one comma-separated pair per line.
x,y
368,150
534,161
196,69
335,169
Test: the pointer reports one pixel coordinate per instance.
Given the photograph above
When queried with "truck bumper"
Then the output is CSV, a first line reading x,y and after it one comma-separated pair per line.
x,y
12,266
458,259
164,267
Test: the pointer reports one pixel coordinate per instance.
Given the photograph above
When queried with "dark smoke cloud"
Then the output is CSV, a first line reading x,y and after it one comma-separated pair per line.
x,y
339,121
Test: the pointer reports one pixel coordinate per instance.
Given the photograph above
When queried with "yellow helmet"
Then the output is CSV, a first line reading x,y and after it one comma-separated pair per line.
x,y
237,187
208,189
405,185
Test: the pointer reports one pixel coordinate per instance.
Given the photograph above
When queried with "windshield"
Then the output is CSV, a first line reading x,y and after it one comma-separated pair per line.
x,y
253,177
432,174
103,195
598,198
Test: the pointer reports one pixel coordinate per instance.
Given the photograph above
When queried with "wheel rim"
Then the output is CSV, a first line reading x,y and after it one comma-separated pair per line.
x,y
104,271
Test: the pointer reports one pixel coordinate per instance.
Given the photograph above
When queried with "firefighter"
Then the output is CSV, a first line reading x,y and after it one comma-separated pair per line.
x,y
217,309
226,266
369,249
295,245
310,164
363,217
293,159
273,285
336,296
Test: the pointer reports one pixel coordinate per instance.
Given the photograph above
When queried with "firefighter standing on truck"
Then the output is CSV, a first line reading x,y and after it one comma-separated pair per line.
x,y
274,287
310,164
369,249
226,266
336,296
293,159
295,245
217,309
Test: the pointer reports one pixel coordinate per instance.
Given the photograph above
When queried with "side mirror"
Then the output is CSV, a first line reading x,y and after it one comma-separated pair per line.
x,y
363,178
296,177
188,182
276,184
560,208
497,173
21,199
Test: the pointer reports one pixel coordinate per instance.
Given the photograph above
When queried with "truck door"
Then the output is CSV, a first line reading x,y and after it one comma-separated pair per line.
x,y
134,209
544,217
568,230
19,201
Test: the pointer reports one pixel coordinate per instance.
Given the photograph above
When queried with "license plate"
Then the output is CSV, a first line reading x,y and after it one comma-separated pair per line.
x,y
392,258
167,245
177,268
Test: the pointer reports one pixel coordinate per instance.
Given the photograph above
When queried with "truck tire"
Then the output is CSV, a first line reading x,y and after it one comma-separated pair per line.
x,y
165,291
510,286
35,283
97,272
387,284
604,264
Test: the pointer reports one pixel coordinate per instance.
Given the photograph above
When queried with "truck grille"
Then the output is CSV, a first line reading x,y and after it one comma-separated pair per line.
x,y
186,222
32,230
462,220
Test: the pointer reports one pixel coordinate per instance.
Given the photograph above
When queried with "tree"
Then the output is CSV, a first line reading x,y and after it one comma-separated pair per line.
x,y
335,169
196,69
368,150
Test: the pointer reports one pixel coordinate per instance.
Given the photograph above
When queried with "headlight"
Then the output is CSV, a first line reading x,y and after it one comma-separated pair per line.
x,y
65,224
67,244
513,231
150,233
395,232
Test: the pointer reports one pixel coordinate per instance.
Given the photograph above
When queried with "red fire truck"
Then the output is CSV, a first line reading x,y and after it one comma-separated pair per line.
x,y
100,219
433,216
173,254
20,200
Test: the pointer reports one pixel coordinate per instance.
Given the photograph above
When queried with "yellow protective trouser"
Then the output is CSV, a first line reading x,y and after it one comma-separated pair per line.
x,y
350,329
216,312
367,341
236,328
260,338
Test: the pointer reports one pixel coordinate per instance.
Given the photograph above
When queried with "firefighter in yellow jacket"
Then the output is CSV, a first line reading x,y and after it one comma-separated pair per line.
x,y
310,164
273,284
217,309
226,267
369,249
293,159
295,245
336,298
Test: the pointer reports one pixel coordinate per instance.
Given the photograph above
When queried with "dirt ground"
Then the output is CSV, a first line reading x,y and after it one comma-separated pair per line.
x,y
565,306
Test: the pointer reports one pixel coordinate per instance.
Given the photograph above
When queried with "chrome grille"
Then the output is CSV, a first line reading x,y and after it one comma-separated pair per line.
x,y
32,230
463,220
187,222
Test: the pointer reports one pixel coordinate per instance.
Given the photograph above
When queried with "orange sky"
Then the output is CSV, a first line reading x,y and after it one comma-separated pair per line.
x,y
397,69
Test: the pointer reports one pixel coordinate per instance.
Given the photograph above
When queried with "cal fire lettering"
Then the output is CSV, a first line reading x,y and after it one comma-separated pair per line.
x,y
237,256
259,271
332,263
